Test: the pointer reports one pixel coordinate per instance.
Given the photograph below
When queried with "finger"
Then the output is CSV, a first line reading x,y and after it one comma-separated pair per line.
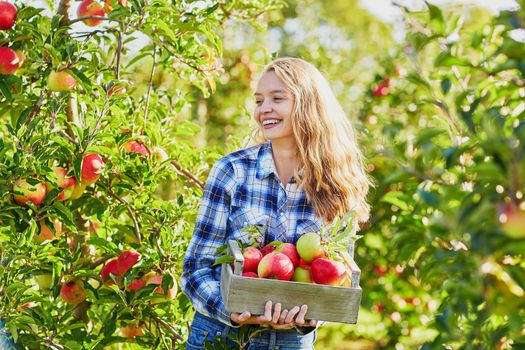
x,y
299,320
276,313
283,316
289,318
267,317
244,316
313,323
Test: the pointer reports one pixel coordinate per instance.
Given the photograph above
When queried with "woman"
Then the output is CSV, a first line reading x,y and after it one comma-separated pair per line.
x,y
308,170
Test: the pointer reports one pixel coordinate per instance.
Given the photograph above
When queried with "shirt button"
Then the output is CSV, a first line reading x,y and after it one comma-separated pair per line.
x,y
282,213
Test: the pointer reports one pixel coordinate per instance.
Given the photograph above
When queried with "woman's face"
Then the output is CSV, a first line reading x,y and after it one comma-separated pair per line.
x,y
273,111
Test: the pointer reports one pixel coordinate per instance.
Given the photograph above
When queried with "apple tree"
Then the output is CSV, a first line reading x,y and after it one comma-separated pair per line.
x,y
100,175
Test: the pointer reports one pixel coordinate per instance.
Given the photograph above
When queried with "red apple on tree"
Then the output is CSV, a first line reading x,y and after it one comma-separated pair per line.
x,y
8,13
252,256
78,190
67,183
157,280
132,146
90,8
275,266
309,247
24,192
132,330
73,292
108,4
60,81
325,271
46,233
9,61
109,268
92,165
126,260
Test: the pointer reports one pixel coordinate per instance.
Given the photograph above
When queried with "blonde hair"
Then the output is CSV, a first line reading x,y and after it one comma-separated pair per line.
x,y
333,176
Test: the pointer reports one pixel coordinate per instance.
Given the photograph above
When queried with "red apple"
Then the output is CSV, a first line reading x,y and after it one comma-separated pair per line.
x,y
250,274
46,233
24,192
513,221
252,256
9,61
157,280
309,247
8,13
126,260
275,266
137,284
73,292
132,146
380,270
109,268
303,274
92,165
108,4
325,271
60,81
381,89
67,183
89,8
290,251
132,330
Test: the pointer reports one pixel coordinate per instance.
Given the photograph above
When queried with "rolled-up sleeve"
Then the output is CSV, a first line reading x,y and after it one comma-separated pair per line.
x,y
199,281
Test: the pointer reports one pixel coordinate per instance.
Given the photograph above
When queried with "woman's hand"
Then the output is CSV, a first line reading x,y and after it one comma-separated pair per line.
x,y
279,319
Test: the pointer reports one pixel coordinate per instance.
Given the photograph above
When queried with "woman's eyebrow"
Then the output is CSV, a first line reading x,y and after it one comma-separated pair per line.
x,y
272,92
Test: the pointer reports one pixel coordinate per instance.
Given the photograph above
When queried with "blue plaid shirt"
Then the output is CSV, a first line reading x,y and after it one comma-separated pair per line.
x,y
242,189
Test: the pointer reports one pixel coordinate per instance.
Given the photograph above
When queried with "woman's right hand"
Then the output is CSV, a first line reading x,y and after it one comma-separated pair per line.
x,y
279,319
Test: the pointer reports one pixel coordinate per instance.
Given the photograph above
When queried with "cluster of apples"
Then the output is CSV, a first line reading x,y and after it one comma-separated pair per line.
x,y
115,270
30,190
304,262
10,59
91,8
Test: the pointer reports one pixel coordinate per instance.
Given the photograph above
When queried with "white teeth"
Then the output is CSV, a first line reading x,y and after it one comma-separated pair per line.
x,y
270,121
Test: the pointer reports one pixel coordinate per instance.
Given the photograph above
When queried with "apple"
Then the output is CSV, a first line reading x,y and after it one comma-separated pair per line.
x,y
89,8
92,165
44,280
60,81
276,266
252,256
309,247
132,330
46,233
250,274
157,280
290,251
380,270
109,268
8,13
326,271
73,292
9,61
302,274
137,284
108,4
67,183
381,89
126,260
513,221
24,192
78,190
132,146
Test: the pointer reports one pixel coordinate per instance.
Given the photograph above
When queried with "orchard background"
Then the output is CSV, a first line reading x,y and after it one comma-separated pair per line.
x,y
439,101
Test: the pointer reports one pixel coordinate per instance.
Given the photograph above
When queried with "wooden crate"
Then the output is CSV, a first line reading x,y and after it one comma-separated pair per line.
x,y
325,303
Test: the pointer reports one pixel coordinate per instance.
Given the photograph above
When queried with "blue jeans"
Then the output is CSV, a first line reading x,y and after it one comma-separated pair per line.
x,y
205,328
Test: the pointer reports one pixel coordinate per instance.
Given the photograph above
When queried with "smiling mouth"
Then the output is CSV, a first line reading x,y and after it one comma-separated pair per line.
x,y
270,122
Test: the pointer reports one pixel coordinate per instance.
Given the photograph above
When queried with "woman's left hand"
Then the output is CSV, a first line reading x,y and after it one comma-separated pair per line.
x,y
283,319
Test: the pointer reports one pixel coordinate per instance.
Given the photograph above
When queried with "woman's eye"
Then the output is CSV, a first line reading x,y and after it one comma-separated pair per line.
x,y
258,102
278,98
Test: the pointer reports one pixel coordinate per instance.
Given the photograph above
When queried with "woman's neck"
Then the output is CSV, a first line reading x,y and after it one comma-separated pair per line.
x,y
285,160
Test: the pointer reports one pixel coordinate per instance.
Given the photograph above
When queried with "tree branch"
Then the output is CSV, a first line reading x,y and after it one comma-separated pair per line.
x,y
150,87
136,226
168,327
187,174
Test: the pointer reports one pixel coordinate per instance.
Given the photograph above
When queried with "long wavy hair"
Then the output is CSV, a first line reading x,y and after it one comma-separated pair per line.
x,y
332,167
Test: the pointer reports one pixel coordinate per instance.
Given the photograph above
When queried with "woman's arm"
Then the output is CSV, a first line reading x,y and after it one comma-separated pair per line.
x,y
199,281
